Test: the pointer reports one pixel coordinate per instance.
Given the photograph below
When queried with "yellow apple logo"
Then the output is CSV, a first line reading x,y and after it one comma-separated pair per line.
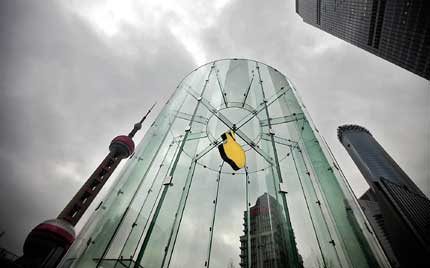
x,y
231,151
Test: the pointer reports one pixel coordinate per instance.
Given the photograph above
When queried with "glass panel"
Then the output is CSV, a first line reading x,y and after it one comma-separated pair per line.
x,y
197,221
146,207
178,204
236,80
162,233
105,226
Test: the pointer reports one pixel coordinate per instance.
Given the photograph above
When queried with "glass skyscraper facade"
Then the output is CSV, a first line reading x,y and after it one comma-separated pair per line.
x,y
177,203
394,204
396,30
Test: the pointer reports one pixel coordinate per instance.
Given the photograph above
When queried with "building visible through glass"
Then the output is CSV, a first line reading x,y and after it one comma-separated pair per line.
x,y
177,203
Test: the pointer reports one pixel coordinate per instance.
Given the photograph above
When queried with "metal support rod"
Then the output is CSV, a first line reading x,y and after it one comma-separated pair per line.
x,y
146,198
307,206
220,87
178,215
247,91
166,187
161,186
157,210
231,126
248,219
292,252
266,103
354,199
323,199
211,228
126,211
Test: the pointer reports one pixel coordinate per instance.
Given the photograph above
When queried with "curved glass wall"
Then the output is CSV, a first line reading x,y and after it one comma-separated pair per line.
x,y
178,204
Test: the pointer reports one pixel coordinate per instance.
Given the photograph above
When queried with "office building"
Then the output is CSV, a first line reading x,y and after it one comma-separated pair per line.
x,y
267,235
395,30
371,209
403,208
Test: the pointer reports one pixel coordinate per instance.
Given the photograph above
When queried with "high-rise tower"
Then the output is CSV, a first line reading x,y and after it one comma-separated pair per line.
x,y
403,209
178,204
395,30
49,241
267,235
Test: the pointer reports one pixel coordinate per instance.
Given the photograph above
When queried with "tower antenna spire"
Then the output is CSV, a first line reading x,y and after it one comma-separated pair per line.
x,y
138,125
59,233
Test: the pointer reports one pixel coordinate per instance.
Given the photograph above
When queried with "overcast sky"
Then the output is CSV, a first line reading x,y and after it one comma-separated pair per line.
x,y
75,74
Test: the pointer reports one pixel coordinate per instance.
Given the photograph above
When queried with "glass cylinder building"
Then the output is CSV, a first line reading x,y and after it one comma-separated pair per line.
x,y
177,203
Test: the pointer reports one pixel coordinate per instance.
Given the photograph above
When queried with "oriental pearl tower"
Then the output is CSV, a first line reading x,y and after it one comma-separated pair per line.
x,y
49,241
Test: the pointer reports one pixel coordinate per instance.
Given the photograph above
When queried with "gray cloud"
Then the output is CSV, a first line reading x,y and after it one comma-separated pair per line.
x,y
65,94
338,82
67,89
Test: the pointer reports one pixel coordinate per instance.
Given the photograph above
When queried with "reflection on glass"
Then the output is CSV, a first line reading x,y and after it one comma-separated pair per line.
x,y
267,233
178,204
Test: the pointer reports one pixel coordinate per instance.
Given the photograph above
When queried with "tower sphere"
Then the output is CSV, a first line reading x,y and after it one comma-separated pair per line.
x,y
122,145
50,234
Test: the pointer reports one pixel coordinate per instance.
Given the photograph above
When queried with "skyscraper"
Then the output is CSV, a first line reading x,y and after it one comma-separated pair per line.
x,y
267,234
372,210
178,204
395,30
403,208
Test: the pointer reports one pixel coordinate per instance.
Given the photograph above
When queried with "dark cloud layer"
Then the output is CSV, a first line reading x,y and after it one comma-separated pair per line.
x,y
66,90
64,94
